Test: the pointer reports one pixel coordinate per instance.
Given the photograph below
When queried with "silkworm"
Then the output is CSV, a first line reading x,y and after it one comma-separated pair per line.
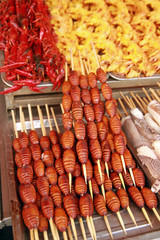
x,y
57,151
124,137
67,121
36,152
89,170
18,160
77,207
25,156
101,75
119,144
33,137
106,91
39,168
59,166
80,186
97,175
69,160
89,113
56,195
136,196
149,197
16,145
86,96
43,186
80,129
61,219
116,163
77,110
107,183
102,131
95,149
47,207
95,187
70,205
115,125
43,223
25,174
103,106
63,184
45,143
66,87
74,78
53,137
123,197
95,95
82,151
83,82
100,205
139,177
106,122
127,158
92,130
66,102
111,108
106,152
51,175
48,158
67,140
110,140
23,139
30,215
98,112
27,193
109,166
84,205
92,80
75,93
127,179
77,170
112,201
38,200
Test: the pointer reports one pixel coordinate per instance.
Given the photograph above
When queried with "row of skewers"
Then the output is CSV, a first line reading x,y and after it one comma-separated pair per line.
x,y
71,166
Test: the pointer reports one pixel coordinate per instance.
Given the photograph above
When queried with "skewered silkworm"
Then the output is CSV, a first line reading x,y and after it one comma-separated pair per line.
x,y
43,186
33,137
25,174
27,193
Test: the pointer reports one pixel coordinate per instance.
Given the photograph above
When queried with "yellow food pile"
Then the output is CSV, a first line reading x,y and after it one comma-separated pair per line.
x,y
125,33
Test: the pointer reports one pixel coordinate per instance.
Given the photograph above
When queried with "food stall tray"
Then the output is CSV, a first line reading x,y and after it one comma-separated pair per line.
x,y
122,78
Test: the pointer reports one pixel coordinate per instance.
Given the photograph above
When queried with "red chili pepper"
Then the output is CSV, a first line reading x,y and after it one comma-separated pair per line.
x,y
11,78
11,66
12,89
37,89
26,82
23,73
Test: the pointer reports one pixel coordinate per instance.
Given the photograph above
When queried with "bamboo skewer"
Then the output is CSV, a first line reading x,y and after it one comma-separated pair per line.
x,y
108,226
36,234
31,234
69,232
82,228
103,192
146,216
156,213
154,94
145,100
90,227
93,227
65,235
48,116
14,123
131,215
72,63
121,221
142,102
74,228
55,121
119,113
45,235
31,117
122,181
128,103
124,109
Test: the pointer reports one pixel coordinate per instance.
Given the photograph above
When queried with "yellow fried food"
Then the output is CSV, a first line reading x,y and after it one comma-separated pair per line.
x,y
125,33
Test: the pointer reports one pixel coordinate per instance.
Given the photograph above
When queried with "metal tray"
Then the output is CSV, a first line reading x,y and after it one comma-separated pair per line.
x,y
120,78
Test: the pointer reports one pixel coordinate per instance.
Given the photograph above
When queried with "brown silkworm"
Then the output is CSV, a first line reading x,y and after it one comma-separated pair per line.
x,y
25,156
43,223
102,131
67,140
83,82
56,195
36,152
18,160
57,151
123,197
66,87
25,174
77,170
92,130
111,107
82,151
95,150
112,201
101,75
75,93
149,197
98,112
51,175
107,183
63,184
115,180
89,170
80,186
61,219
39,168
43,186
53,137
127,158
127,179
116,163
97,175
119,144
16,145
77,110
80,129
66,102
106,91
74,78
106,151
69,160
67,121
89,113
30,215
115,124
33,137
92,80
27,193
45,143
70,205
48,158
86,96
84,205
95,95
47,207
59,166
23,139
106,122
139,177
100,205
95,187
136,196
110,140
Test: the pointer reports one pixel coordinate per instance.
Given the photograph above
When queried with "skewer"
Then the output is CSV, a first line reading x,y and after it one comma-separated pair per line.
x,y
132,103
158,84
103,192
145,100
14,123
88,62
36,234
142,102
108,226
65,235
90,227
131,215
55,121
45,235
158,91
82,228
48,116
137,101
41,121
81,62
147,95
86,67
122,181
66,72
156,213
146,216
30,116
154,94
126,101
31,234
121,222
124,109
74,228
119,113
93,227
69,232
21,120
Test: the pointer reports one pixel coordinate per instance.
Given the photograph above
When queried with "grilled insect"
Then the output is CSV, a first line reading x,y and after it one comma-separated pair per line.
x,y
63,184
56,195
30,215
43,186
27,193
80,186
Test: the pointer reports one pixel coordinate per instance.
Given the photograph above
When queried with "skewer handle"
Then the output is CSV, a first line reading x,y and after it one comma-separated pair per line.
x,y
132,176
31,116
108,226
90,227
107,169
122,181
65,235
90,188
36,234
14,123
156,214
45,235
121,222
84,172
123,163
93,227
66,72
69,233
103,192
74,228
82,228
41,121
31,234
146,216
70,182
53,230
99,168
131,215
48,116
55,120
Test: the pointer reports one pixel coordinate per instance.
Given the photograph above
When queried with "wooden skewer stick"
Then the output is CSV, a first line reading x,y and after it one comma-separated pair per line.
x,y
122,181
156,213
66,72
14,123
107,169
123,163
103,192
132,103
90,188
108,226
93,227
90,227
147,95
45,235
86,67
55,120
154,94
158,84
65,235
54,231
31,234
82,228
41,121
158,92
132,176
128,103
69,233
145,100
146,216
142,102
74,228
48,116
122,105
137,101
119,113
21,120
131,215
121,222
30,116
153,97
81,62
70,182
96,56
36,234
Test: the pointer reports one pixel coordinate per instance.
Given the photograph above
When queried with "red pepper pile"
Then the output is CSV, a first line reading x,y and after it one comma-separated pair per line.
x,y
29,43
